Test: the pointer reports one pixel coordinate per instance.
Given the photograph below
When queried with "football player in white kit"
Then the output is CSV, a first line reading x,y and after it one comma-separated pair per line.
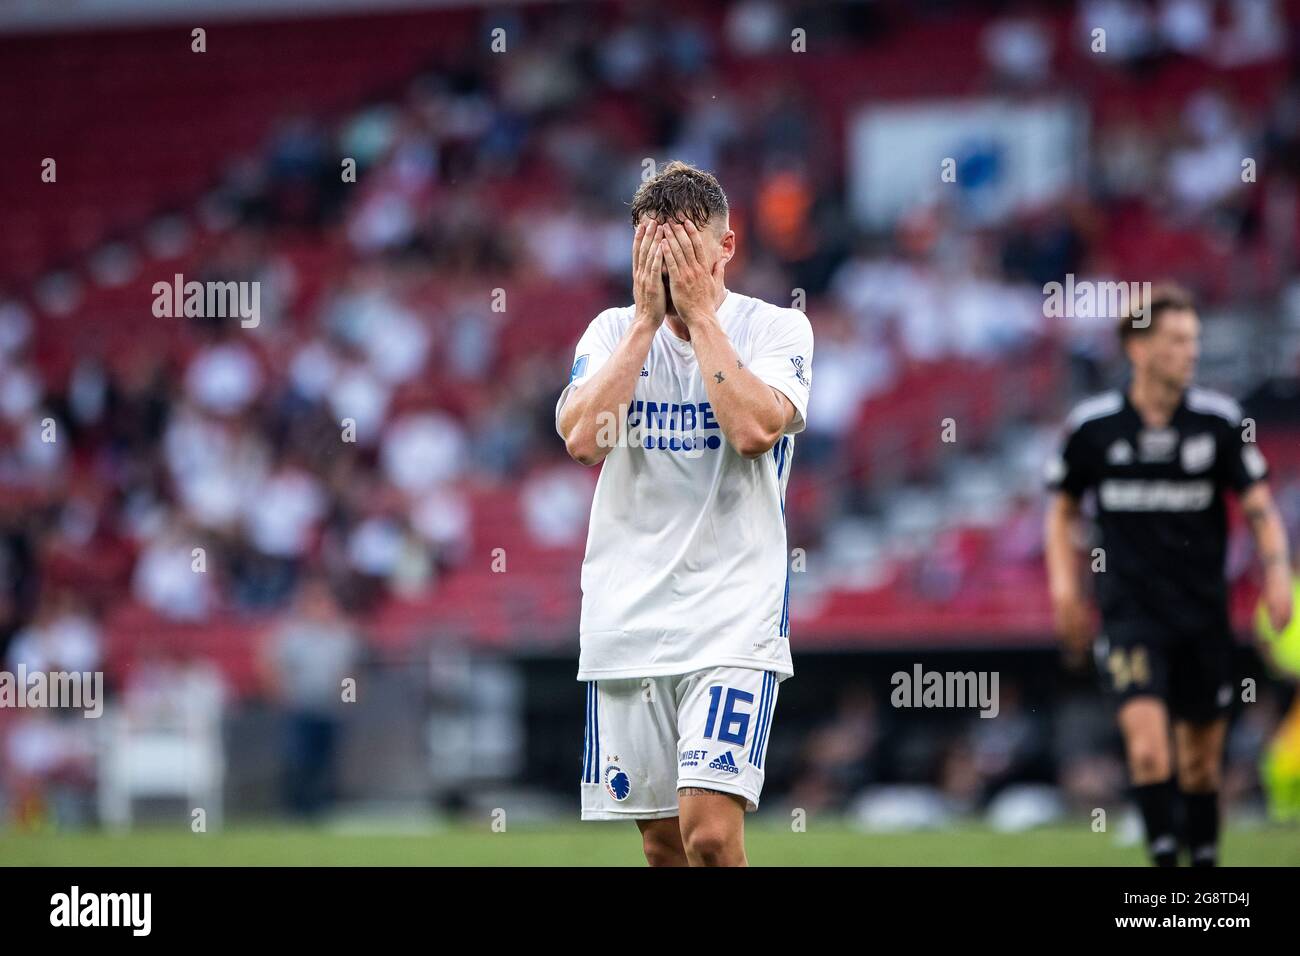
x,y
691,398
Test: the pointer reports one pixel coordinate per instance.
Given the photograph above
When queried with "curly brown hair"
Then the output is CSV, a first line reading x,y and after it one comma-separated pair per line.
x,y
680,192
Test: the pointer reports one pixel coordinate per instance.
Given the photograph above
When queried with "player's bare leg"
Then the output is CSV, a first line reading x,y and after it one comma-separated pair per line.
x,y
661,841
712,827
1199,749
1144,722
1200,754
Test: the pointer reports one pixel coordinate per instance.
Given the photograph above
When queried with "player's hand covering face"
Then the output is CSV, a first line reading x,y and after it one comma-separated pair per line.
x,y
694,271
649,290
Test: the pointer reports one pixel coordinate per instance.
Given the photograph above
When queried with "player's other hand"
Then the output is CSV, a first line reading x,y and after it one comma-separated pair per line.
x,y
1073,623
647,273
695,277
1277,599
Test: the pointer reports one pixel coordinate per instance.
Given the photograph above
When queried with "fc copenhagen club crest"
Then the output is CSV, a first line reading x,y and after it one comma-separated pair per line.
x,y
1198,453
617,783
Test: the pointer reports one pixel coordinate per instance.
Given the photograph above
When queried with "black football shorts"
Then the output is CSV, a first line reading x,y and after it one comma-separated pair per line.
x,y
1191,672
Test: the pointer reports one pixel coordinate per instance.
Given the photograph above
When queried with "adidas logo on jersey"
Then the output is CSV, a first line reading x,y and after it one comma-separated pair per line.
x,y
725,763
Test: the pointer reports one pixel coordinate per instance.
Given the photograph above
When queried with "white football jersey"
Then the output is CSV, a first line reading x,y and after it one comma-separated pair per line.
x,y
686,563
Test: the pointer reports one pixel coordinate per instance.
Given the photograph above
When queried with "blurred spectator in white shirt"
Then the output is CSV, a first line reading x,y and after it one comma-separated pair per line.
x,y
754,27
359,402
224,378
1128,26
1019,49
15,327
21,391
1208,168
422,449
63,636
1256,32
215,465
442,517
281,514
848,370
556,503
1187,26
166,578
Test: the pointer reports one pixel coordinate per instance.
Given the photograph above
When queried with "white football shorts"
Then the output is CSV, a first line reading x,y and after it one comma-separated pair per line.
x,y
648,736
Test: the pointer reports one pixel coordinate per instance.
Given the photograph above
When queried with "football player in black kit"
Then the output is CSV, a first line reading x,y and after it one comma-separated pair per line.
x,y
1159,455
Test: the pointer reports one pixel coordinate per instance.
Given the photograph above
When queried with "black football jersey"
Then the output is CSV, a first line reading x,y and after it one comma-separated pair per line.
x,y
1160,503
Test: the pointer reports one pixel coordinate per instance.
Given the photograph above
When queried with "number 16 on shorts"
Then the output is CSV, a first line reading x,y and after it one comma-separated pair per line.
x,y
724,728
735,724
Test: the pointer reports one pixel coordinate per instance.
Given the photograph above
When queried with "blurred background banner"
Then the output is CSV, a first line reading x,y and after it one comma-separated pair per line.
x,y
1003,157
326,552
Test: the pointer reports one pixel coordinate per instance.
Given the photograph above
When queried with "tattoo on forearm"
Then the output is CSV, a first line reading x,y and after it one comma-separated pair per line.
x,y
1258,514
719,377
739,364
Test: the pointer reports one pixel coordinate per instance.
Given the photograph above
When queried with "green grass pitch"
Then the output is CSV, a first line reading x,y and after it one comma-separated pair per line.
x,y
600,844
